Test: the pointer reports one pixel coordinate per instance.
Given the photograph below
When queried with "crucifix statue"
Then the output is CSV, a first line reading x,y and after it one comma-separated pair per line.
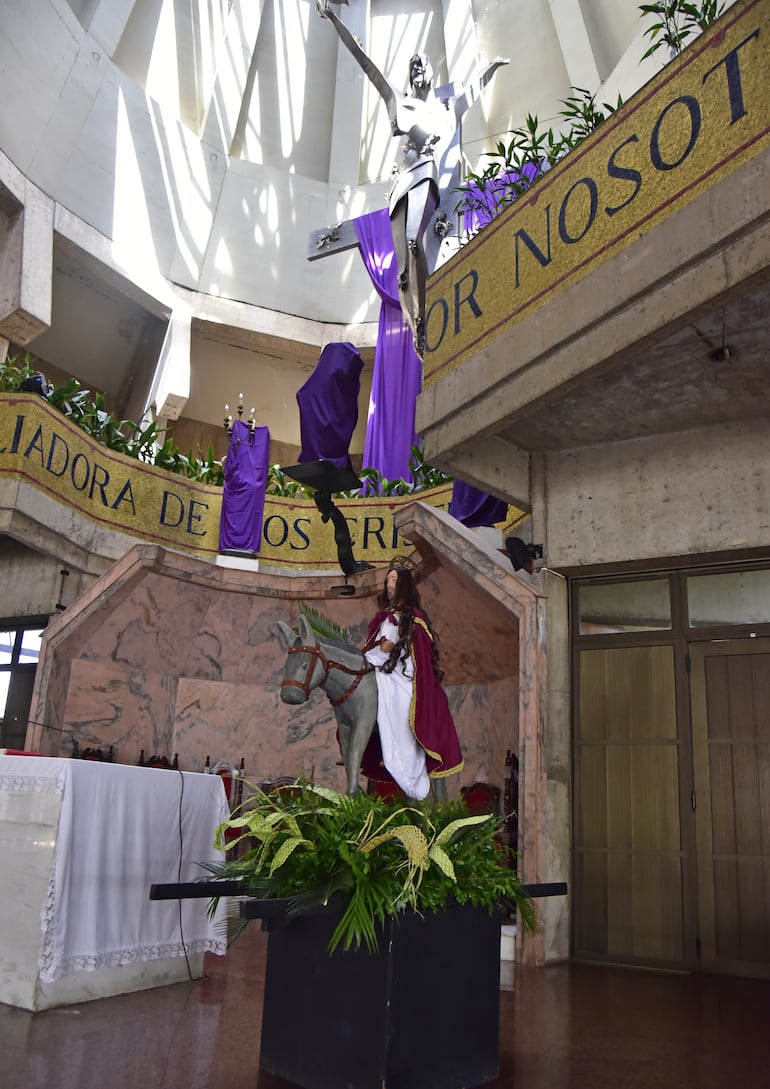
x,y
429,168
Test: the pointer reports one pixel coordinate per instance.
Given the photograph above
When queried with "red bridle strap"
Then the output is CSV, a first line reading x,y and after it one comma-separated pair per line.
x,y
316,653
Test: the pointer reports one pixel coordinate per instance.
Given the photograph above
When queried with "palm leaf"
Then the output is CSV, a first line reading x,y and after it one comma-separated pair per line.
x,y
438,855
368,906
323,625
446,834
284,851
374,858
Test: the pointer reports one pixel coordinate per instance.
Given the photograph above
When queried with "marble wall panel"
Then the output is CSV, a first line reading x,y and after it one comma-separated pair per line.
x,y
47,710
237,640
227,722
113,702
478,636
131,709
153,626
181,663
487,724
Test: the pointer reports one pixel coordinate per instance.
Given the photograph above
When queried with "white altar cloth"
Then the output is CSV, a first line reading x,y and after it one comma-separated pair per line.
x,y
109,831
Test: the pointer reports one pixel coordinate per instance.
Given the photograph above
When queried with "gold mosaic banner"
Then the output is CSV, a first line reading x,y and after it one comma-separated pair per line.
x,y
706,113
41,446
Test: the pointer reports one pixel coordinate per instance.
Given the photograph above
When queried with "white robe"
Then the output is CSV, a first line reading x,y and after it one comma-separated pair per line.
x,y
402,754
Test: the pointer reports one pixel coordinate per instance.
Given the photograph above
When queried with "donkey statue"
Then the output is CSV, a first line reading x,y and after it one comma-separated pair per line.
x,y
346,677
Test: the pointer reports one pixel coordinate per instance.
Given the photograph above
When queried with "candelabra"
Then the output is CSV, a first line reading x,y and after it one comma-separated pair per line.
x,y
250,422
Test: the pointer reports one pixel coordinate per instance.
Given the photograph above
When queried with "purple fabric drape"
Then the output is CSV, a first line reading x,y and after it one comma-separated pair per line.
x,y
397,377
328,405
243,497
473,507
483,203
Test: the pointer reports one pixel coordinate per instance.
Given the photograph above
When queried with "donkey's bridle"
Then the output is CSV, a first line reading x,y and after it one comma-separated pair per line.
x,y
316,654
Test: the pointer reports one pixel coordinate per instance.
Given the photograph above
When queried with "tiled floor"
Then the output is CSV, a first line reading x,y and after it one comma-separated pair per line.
x,y
562,1027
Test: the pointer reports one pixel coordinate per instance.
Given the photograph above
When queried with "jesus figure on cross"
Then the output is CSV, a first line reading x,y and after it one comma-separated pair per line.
x,y
430,121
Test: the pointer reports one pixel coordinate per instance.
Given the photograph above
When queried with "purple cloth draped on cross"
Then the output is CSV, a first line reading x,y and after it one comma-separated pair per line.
x,y
473,507
328,405
243,495
397,377
397,381
483,203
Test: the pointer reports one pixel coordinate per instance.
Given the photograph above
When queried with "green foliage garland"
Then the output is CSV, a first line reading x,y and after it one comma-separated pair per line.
x,y
530,152
144,441
147,442
512,167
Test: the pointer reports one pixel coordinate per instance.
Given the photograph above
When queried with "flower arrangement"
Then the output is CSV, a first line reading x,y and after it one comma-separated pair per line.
x,y
309,844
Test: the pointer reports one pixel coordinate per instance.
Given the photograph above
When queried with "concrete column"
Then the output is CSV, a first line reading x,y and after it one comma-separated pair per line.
x,y
108,21
575,44
557,759
462,51
347,123
557,737
26,263
171,386
533,826
234,75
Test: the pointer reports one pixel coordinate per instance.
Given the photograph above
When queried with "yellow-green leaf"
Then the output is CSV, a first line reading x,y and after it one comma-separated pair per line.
x,y
327,793
375,841
415,844
438,855
284,851
446,834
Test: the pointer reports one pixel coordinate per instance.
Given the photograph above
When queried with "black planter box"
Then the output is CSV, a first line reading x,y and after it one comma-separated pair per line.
x,y
420,1013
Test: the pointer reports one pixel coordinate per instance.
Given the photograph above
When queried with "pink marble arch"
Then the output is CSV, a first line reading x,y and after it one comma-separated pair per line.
x,y
171,654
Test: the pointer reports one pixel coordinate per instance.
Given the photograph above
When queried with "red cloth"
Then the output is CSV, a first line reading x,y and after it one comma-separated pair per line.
x,y
431,720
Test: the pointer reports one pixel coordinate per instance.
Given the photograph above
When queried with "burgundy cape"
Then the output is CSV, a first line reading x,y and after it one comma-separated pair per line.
x,y
431,720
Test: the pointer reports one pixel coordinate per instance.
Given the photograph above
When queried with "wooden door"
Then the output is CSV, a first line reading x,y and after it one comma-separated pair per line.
x,y
730,694
629,862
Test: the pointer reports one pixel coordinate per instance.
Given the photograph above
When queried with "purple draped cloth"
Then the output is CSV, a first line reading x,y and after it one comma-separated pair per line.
x,y
397,377
243,497
483,203
473,507
328,405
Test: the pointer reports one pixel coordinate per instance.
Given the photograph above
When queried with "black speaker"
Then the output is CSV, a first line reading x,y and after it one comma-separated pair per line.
x,y
520,553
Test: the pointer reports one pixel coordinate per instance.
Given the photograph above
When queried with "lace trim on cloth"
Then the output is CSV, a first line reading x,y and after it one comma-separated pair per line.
x,y
47,929
32,784
90,962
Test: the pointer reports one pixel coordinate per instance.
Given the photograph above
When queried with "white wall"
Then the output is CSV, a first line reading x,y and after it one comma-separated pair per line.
x,y
130,162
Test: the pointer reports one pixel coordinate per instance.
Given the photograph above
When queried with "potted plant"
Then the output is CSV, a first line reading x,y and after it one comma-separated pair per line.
x,y
384,967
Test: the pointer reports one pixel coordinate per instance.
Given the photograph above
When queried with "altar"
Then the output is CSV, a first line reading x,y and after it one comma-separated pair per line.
x,y
80,844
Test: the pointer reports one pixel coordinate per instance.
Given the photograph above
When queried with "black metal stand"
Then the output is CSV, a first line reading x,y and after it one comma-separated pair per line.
x,y
421,1012
326,479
